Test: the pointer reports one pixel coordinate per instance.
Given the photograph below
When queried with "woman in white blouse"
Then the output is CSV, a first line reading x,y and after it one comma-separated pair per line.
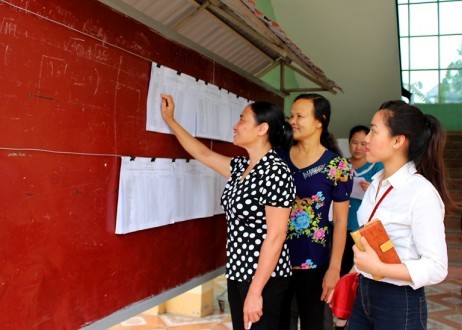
x,y
410,146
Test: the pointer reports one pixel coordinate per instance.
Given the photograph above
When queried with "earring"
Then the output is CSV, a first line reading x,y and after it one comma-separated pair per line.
x,y
394,146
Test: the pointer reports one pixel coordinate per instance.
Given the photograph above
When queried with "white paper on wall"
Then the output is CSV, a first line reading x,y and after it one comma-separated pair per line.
x,y
204,110
213,118
183,89
220,183
196,187
145,189
159,192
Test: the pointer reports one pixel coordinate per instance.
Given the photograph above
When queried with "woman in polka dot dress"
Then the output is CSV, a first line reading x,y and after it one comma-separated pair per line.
x,y
315,244
257,201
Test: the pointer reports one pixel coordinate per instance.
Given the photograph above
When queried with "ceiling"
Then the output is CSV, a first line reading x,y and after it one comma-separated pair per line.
x,y
233,33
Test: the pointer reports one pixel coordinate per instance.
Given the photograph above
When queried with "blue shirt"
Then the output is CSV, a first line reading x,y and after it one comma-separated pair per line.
x,y
367,171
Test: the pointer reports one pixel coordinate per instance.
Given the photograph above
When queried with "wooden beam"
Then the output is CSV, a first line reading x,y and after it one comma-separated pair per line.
x,y
302,73
267,69
301,89
257,39
241,11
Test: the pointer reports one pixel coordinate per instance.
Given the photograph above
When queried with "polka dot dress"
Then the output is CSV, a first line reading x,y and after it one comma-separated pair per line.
x,y
268,183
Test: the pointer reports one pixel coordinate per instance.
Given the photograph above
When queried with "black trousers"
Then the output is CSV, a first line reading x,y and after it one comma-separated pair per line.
x,y
273,293
306,287
348,255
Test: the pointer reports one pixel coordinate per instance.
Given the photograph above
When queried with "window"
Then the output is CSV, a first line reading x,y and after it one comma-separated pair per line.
x,y
431,49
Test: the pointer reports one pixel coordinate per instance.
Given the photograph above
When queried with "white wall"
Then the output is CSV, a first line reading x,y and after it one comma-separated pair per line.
x,y
355,42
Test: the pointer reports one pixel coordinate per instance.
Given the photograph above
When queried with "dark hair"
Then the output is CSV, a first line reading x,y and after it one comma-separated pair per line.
x,y
427,139
322,113
279,131
356,129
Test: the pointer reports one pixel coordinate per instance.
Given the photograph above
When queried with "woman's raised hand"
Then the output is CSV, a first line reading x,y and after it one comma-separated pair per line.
x,y
167,107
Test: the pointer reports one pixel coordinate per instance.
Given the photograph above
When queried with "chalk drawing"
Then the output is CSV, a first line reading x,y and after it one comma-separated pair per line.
x,y
75,45
82,78
5,52
16,154
97,82
100,52
94,30
8,27
52,74
122,89
52,67
80,47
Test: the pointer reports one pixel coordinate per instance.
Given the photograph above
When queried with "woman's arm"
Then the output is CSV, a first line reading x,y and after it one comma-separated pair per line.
x,y
340,217
276,222
193,146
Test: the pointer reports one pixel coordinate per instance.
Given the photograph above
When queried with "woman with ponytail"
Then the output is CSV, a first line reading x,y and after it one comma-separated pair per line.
x,y
322,177
410,146
256,200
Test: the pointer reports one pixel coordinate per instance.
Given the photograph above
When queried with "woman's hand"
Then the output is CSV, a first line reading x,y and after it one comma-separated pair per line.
x,y
167,107
368,261
253,308
328,284
365,185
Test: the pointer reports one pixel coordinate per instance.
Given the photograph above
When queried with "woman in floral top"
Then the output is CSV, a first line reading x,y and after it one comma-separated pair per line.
x,y
315,244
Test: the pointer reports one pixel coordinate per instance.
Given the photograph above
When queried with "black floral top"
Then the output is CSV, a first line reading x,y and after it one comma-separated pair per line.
x,y
268,183
330,179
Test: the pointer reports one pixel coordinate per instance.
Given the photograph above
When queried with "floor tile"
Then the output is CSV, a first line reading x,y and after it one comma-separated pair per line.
x,y
444,310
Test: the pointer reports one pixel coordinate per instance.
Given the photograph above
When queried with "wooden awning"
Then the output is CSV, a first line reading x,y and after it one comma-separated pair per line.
x,y
232,32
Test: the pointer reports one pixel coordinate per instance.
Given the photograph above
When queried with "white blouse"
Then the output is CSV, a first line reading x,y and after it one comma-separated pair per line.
x,y
412,214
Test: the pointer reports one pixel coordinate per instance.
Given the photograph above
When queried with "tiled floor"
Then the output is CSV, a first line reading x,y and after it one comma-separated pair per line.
x,y
444,305
217,321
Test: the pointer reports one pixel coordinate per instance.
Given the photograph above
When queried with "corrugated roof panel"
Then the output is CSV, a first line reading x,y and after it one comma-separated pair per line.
x,y
201,28
206,30
166,12
255,63
242,55
230,30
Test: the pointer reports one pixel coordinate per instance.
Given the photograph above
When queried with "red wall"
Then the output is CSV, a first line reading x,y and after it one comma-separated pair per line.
x,y
74,76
